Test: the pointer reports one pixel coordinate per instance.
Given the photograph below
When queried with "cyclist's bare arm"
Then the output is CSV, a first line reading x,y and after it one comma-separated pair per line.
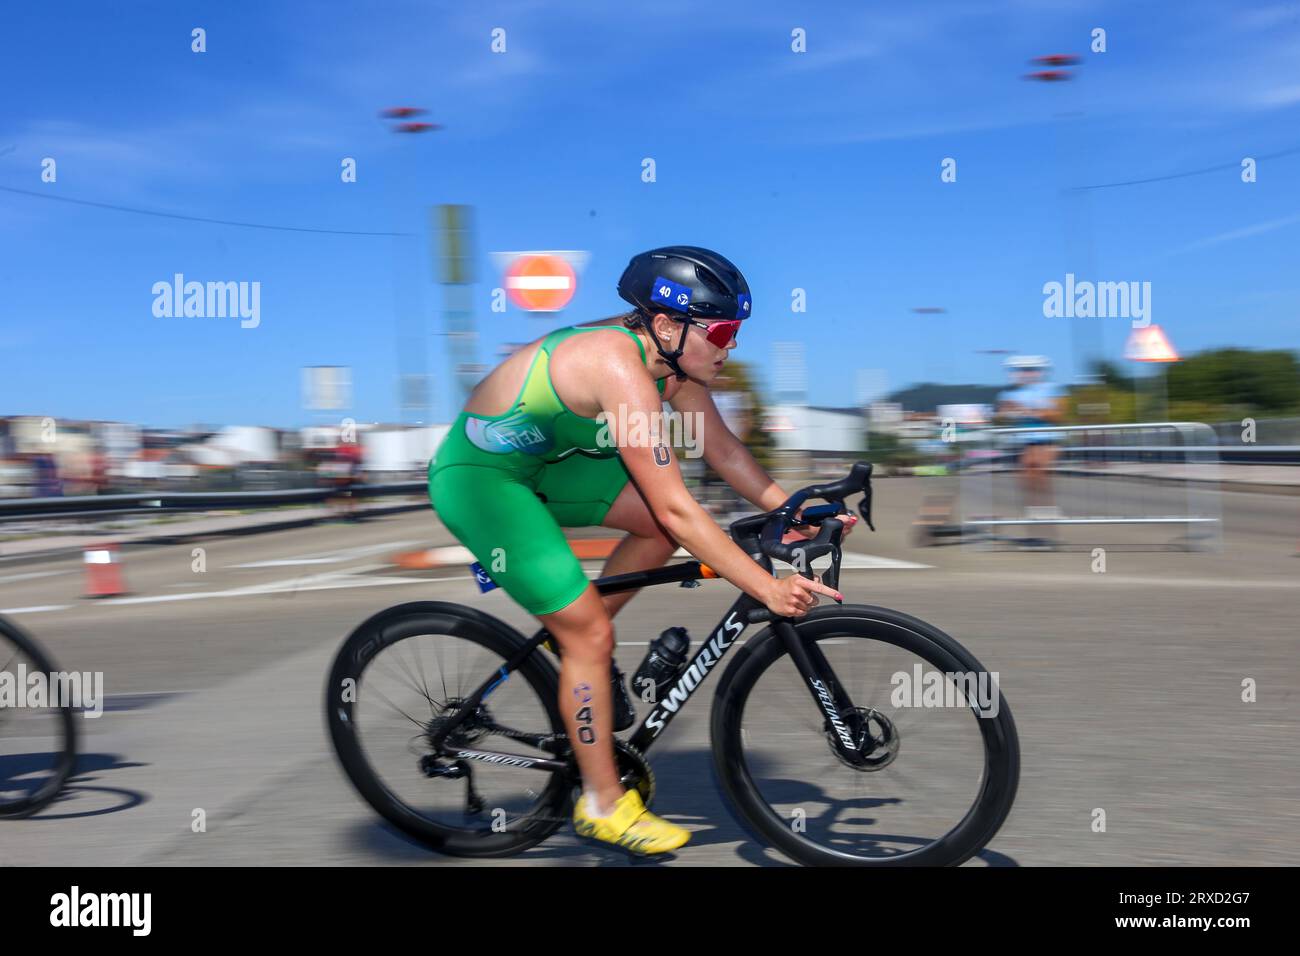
x,y
623,388
1008,410
725,453
1056,412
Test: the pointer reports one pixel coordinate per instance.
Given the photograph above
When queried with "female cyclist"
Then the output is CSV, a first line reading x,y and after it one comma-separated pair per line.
x,y
529,456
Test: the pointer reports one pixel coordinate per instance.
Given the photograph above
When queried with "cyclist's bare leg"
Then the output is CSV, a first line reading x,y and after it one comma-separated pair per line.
x,y
1029,480
1037,462
1047,460
586,637
646,546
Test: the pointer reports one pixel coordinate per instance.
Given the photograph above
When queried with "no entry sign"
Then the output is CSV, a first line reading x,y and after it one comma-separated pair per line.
x,y
540,282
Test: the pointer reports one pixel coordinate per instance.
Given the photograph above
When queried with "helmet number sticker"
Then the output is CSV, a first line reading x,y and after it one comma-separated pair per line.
x,y
670,294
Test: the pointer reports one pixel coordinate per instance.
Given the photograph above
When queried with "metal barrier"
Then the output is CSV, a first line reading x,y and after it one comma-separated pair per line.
x,y
188,501
1110,485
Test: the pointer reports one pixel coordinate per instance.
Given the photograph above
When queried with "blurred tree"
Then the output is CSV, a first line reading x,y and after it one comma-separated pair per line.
x,y
1121,405
886,448
1219,384
742,407
1267,381
738,377
1110,375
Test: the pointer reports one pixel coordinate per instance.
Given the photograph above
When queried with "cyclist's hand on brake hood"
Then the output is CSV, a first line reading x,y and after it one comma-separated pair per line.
x,y
796,595
808,531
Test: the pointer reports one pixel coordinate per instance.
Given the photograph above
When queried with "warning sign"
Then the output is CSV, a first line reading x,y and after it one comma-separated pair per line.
x,y
1149,345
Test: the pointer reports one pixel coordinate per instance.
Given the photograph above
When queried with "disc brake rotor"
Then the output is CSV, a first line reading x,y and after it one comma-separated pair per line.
x,y
876,738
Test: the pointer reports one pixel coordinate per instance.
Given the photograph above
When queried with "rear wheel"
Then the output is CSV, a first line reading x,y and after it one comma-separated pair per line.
x,y
939,769
403,672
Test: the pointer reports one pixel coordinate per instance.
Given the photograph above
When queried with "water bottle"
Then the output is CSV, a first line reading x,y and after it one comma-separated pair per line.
x,y
664,662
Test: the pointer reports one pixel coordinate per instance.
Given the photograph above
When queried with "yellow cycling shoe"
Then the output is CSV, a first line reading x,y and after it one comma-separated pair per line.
x,y
631,826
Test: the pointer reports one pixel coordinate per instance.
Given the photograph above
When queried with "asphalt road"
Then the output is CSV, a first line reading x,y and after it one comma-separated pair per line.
x,y
1126,688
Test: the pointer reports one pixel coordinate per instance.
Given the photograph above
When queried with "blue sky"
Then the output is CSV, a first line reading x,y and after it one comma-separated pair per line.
x,y
818,171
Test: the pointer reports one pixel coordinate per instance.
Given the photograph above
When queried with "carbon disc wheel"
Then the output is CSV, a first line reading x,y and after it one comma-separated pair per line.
x,y
396,678
929,786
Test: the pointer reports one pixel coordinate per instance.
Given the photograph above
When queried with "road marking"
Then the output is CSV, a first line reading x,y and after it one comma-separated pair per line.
x,y
333,580
857,562
337,580
316,582
1110,578
122,703
453,554
287,587
326,557
30,575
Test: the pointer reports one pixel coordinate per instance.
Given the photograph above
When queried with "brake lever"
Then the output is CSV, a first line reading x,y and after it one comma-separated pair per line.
x,y
813,550
832,576
864,506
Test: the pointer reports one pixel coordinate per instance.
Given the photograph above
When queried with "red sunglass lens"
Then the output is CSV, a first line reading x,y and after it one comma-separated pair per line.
x,y
720,334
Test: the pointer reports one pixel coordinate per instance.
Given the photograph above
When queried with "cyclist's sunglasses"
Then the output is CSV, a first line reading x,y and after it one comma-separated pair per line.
x,y
719,333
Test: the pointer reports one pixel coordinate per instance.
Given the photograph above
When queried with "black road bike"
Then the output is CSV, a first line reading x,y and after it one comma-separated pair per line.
x,y
38,744
854,735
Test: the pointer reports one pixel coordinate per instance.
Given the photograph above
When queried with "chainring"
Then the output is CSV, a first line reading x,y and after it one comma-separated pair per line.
x,y
634,772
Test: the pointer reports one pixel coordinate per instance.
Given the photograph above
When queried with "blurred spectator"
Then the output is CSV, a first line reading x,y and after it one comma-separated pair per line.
x,y
1033,403
47,483
340,471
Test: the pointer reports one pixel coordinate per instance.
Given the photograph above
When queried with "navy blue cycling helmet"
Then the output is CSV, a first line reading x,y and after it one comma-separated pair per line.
x,y
684,282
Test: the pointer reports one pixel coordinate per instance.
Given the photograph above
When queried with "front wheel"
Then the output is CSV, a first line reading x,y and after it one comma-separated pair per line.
x,y
937,761
38,744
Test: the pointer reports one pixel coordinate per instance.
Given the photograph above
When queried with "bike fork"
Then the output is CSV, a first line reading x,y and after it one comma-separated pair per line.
x,y
827,693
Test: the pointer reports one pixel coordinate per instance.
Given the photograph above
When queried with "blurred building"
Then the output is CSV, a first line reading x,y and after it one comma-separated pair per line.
x,y
816,429
397,448
41,456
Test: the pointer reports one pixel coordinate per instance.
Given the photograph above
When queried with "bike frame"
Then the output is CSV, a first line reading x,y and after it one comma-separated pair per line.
x,y
825,692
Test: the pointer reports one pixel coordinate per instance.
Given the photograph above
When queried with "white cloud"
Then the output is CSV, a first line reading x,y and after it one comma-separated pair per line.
x,y
1278,97
1244,233
1266,18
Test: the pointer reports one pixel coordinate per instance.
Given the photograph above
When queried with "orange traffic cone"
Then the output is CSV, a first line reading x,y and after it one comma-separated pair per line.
x,y
103,571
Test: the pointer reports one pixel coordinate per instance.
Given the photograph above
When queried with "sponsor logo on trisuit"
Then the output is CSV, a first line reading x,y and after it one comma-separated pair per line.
x,y
515,433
